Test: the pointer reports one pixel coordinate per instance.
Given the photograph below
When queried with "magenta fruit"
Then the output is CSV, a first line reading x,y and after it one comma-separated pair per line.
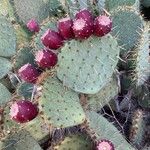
x,y
52,39
46,58
28,73
105,145
82,29
102,25
23,111
84,14
33,26
65,28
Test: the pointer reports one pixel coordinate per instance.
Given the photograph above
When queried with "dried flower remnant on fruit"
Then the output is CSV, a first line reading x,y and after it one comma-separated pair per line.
x,y
82,29
105,145
102,25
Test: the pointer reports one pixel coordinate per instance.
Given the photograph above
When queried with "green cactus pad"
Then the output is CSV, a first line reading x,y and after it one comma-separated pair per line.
x,y
23,56
5,95
112,4
25,90
23,35
35,9
37,41
75,142
143,95
137,130
21,140
5,66
103,129
143,62
86,66
38,129
60,107
9,126
97,101
127,25
8,38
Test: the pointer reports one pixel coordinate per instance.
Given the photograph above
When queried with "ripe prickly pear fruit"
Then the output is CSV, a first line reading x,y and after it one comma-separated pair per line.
x,y
105,145
28,73
102,25
82,29
46,58
84,14
65,28
52,39
23,111
33,26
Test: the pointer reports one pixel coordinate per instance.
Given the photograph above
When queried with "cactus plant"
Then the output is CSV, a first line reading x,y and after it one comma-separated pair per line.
x,y
101,78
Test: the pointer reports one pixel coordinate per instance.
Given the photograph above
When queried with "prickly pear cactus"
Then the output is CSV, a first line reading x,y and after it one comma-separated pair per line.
x,y
5,95
111,4
143,62
21,141
99,127
38,130
82,66
96,84
60,107
5,66
96,101
8,38
75,142
26,10
137,129
127,30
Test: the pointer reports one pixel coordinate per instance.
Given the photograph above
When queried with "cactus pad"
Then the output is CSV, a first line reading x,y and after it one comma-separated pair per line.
x,y
20,141
97,101
35,9
9,126
5,66
5,95
143,62
86,66
102,129
128,31
75,142
8,38
25,90
37,129
60,107
112,4
23,57
137,129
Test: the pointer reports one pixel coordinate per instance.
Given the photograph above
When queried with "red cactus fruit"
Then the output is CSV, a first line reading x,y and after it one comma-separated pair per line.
x,y
82,29
105,145
65,28
28,73
33,26
52,39
102,25
23,111
84,14
46,58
